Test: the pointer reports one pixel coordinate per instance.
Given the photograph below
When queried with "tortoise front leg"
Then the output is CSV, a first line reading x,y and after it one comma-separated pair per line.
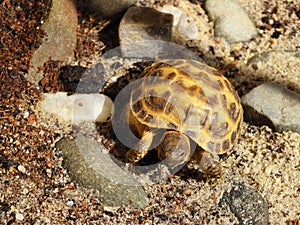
x,y
174,149
141,149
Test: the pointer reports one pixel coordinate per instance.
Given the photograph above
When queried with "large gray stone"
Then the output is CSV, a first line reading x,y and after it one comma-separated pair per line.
x,y
90,165
60,40
231,21
273,105
246,204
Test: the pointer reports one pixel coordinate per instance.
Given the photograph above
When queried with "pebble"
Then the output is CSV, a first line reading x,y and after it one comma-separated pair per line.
x,y
108,9
61,39
21,169
76,108
231,21
187,192
25,191
70,203
89,164
26,114
142,24
273,105
246,204
19,216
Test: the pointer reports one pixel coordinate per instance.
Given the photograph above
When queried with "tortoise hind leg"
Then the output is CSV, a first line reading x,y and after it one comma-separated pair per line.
x,y
209,163
174,149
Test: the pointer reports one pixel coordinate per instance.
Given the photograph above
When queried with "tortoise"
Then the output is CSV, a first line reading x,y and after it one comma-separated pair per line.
x,y
188,109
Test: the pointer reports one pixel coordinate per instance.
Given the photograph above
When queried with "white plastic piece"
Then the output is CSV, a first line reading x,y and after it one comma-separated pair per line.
x,y
187,28
77,108
91,107
182,25
177,13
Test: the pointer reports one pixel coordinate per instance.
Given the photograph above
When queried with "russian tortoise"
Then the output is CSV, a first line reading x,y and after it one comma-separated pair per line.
x,y
187,107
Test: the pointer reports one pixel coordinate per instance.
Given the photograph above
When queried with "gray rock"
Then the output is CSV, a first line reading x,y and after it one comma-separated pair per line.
x,y
60,40
273,105
231,22
246,204
269,55
142,24
109,8
90,165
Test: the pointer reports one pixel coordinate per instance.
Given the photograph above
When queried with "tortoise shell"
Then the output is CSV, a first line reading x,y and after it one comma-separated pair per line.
x,y
189,97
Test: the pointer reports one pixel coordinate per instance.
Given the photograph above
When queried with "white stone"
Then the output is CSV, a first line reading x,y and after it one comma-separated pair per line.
x,y
21,169
112,209
70,203
77,108
233,28
49,172
19,216
91,107
217,8
26,114
273,105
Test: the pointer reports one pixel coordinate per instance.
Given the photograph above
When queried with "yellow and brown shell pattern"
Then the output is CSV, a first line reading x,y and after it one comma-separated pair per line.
x,y
190,98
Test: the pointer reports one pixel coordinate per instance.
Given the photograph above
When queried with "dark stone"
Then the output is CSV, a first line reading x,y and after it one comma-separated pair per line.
x,y
276,34
246,204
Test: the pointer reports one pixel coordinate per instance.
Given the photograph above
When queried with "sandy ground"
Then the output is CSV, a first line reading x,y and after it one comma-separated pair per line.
x,y
36,189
